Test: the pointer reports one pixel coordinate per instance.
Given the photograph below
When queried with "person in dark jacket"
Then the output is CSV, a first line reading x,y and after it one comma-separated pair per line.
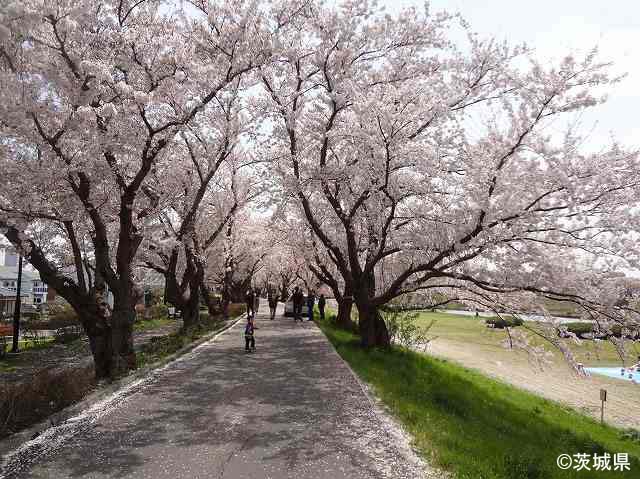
x,y
250,300
311,301
249,338
298,300
272,298
321,304
256,304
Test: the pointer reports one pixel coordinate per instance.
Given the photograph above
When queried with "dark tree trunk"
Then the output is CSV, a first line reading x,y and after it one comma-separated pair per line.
x,y
212,305
185,294
100,344
225,307
123,356
343,317
190,310
373,330
89,303
97,327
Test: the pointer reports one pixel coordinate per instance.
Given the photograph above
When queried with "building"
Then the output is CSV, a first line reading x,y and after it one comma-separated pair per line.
x,y
8,301
33,289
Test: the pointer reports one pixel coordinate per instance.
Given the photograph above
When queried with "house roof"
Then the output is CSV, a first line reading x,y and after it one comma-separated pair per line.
x,y
11,272
9,293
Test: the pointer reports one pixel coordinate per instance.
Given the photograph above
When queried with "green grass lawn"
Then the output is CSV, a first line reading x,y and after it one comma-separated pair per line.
x,y
162,346
477,427
148,324
9,364
469,330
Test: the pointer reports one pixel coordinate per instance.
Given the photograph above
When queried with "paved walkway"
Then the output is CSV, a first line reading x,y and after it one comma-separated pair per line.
x,y
292,410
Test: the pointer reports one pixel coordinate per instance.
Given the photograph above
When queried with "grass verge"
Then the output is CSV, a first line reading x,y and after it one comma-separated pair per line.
x,y
477,427
154,323
160,347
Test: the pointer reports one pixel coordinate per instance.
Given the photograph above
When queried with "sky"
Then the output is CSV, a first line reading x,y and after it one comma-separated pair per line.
x,y
558,27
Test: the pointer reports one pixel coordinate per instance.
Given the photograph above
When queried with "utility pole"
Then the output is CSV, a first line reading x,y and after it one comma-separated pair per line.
x,y
16,310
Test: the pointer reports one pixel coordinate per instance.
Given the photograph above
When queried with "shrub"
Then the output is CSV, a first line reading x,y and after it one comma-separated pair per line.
x,y
51,323
68,334
236,309
62,313
159,311
631,434
403,329
580,329
504,322
25,403
587,330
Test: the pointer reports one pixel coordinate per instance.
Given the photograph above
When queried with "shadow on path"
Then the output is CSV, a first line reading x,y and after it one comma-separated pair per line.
x,y
292,409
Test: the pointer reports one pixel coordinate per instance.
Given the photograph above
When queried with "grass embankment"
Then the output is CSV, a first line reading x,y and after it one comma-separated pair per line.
x,y
160,347
476,427
470,331
153,323
556,308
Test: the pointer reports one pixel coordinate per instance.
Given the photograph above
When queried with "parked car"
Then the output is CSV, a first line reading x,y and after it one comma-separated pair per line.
x,y
288,308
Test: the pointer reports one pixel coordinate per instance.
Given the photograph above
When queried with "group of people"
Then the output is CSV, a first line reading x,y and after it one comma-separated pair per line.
x,y
298,300
252,300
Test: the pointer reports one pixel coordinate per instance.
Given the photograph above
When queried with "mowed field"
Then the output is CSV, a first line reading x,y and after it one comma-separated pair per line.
x,y
469,342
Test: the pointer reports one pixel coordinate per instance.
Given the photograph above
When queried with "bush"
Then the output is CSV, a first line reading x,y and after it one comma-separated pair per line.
x,y
631,434
62,314
26,403
236,309
403,329
52,323
580,329
504,322
585,330
158,311
68,334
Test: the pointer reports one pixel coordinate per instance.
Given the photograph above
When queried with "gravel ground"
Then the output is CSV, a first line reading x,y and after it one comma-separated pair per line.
x,y
292,409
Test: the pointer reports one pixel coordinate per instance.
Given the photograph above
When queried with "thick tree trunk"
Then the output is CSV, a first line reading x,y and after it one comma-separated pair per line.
x,y
185,294
343,318
101,351
110,339
190,311
212,305
225,307
373,330
98,330
123,356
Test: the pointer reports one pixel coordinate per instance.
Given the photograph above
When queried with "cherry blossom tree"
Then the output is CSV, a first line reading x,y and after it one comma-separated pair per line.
x,y
212,189
421,165
235,261
93,94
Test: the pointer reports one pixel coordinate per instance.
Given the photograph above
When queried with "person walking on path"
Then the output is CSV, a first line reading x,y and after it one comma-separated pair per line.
x,y
272,299
298,299
250,300
256,304
321,303
311,301
249,338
